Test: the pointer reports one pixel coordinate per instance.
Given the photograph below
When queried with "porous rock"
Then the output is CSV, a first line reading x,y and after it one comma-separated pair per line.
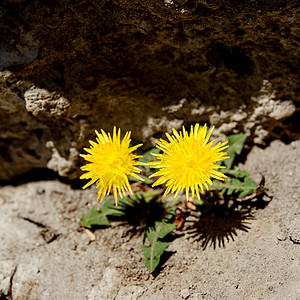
x,y
68,68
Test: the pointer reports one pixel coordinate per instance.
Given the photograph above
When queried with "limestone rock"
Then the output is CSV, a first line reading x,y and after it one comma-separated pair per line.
x,y
40,101
68,69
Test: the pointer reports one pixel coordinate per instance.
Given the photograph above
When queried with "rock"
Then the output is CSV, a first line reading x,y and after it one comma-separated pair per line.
x,y
8,269
184,293
108,287
142,67
42,102
282,236
58,163
294,231
129,292
28,290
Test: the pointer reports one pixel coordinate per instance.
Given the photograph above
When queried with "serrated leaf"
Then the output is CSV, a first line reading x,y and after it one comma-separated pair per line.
x,y
172,211
156,248
165,229
147,180
130,201
147,157
252,187
236,186
236,172
151,264
155,252
94,217
99,217
146,196
236,143
108,209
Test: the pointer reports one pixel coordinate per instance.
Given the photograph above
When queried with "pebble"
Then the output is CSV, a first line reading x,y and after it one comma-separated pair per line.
x,y
294,146
294,231
282,236
184,293
295,236
73,246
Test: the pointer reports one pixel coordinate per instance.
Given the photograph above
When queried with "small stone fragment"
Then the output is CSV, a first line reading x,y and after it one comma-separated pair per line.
x,y
295,236
294,231
90,235
282,236
184,293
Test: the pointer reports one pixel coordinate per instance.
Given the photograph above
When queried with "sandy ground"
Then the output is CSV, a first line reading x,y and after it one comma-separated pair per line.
x,y
261,261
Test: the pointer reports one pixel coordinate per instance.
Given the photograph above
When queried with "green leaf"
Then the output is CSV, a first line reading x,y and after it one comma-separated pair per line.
x,y
151,253
147,180
236,143
235,187
110,209
94,217
236,172
251,184
172,211
150,264
147,157
99,217
156,248
146,196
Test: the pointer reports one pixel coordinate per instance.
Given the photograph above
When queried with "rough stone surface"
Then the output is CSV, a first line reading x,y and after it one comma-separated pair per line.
x,y
255,264
70,67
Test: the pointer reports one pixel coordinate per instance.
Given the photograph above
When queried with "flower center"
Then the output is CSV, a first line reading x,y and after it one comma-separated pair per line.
x,y
191,163
115,163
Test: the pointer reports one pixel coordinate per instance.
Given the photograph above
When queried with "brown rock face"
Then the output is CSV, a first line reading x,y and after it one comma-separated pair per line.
x,y
70,67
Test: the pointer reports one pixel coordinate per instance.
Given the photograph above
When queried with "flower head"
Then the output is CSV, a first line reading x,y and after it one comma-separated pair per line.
x,y
110,163
188,161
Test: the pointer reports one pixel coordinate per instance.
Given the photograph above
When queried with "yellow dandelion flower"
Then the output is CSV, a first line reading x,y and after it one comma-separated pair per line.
x,y
111,162
188,161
